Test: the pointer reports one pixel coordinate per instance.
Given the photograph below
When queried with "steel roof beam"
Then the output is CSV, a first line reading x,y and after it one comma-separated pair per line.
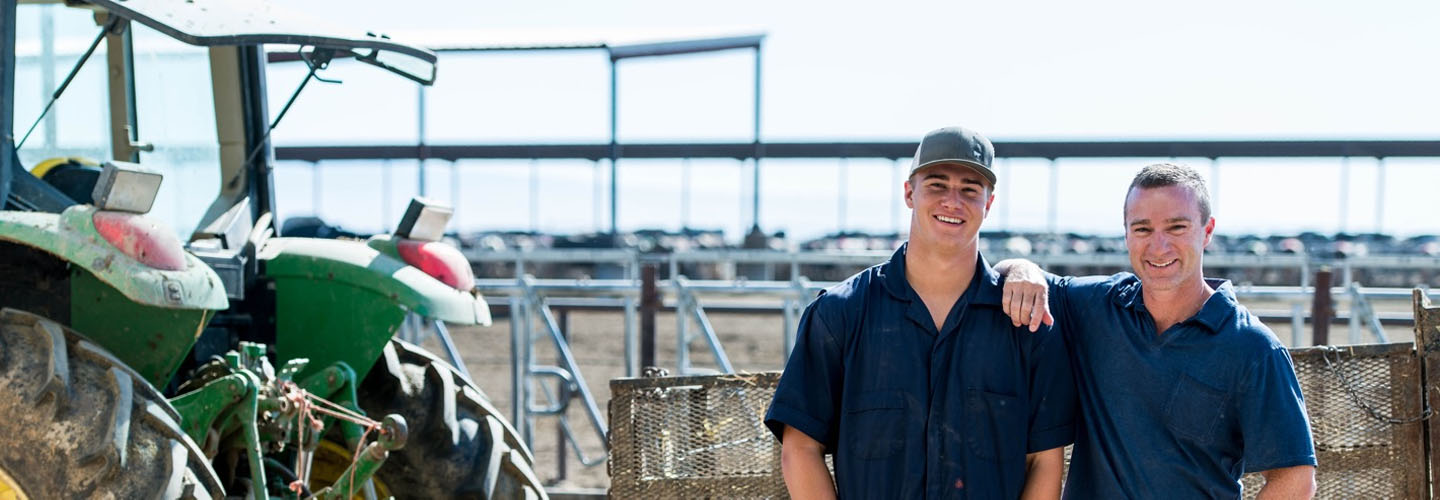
x,y
890,150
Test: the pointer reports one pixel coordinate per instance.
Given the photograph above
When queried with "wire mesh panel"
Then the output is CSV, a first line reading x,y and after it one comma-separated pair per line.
x,y
704,437
1364,403
693,437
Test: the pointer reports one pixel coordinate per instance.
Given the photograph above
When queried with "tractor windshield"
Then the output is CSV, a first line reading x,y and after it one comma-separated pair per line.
x,y
145,92
173,127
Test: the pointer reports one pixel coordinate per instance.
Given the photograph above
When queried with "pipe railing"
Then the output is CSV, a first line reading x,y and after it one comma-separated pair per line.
x,y
532,302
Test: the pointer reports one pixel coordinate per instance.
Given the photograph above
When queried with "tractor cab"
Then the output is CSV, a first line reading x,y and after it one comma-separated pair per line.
x,y
159,340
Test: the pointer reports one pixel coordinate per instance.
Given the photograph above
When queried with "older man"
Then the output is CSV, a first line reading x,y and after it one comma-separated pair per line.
x,y
1182,390
910,373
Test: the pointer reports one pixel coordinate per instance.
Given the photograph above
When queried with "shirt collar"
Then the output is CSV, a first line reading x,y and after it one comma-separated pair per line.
x,y
988,289
1218,309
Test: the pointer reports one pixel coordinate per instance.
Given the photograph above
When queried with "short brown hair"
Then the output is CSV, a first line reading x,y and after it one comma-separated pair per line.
x,y
1170,174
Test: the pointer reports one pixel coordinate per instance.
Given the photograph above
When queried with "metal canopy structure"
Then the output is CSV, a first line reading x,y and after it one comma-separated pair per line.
x,y
632,45
889,150
1051,150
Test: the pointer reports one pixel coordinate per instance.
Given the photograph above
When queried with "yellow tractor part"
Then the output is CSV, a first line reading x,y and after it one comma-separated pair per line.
x,y
8,489
330,461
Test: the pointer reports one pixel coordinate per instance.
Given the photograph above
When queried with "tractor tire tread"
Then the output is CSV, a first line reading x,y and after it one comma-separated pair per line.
x,y
460,446
92,442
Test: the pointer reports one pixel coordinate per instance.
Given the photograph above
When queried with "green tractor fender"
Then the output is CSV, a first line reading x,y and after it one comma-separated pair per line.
x,y
342,300
149,318
71,236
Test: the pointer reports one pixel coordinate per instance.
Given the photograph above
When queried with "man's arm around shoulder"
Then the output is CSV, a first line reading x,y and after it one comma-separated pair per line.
x,y
1043,470
802,461
1288,483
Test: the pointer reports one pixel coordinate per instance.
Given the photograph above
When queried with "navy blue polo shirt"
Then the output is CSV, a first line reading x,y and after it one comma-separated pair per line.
x,y
1181,414
909,411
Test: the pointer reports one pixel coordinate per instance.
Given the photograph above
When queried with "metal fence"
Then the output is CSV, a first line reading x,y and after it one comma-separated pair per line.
x,y
704,437
630,283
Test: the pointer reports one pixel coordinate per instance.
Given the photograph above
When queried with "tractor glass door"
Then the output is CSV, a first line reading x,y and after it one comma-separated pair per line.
x,y
49,39
175,127
175,111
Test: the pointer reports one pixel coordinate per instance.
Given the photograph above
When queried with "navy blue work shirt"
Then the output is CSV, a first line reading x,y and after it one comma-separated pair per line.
x,y
909,411
1179,414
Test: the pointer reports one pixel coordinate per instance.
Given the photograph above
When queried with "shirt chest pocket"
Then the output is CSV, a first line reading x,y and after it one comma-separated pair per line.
x,y
877,423
1195,410
999,431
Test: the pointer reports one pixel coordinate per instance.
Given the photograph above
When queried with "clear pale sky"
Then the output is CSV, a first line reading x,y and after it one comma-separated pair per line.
x,y
1107,70
891,71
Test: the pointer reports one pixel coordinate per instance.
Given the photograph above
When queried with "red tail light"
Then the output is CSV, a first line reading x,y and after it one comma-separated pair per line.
x,y
141,239
441,261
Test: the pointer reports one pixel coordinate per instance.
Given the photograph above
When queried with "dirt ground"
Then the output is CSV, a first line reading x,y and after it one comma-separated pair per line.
x,y
753,342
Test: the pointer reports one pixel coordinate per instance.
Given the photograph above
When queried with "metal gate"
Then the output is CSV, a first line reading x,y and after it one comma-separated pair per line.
x,y
704,436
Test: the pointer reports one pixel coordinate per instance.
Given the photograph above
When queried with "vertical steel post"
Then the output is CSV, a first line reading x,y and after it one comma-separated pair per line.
x,y
842,194
564,320
455,195
787,310
632,339
759,151
534,195
1427,347
632,324
896,191
1053,218
649,304
1322,310
614,148
315,188
517,364
1380,195
1005,200
597,198
1344,204
1214,184
385,192
1297,323
1352,306
682,328
684,194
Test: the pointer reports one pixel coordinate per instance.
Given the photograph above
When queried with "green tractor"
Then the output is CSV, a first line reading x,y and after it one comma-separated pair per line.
x,y
137,362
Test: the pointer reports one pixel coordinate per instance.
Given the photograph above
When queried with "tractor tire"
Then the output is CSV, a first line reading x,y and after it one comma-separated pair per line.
x,y
78,423
459,446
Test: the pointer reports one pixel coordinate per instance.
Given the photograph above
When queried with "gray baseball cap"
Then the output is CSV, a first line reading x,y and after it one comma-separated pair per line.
x,y
956,146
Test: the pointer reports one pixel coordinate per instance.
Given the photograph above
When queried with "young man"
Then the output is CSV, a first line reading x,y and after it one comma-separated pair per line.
x,y
910,374
1181,389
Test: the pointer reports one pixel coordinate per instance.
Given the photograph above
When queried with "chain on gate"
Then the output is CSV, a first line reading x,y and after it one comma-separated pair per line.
x,y
1355,398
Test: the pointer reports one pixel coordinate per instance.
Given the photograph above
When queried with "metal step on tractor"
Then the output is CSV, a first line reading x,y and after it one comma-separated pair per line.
x,y
157,340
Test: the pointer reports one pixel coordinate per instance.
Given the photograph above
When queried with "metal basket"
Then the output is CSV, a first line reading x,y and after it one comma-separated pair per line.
x,y
1362,453
704,436
693,437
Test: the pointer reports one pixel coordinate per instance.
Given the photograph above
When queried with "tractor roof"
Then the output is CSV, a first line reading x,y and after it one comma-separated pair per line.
x,y
209,23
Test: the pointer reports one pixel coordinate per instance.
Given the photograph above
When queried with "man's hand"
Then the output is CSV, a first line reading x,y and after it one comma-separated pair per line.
x,y
1288,483
1027,295
802,462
